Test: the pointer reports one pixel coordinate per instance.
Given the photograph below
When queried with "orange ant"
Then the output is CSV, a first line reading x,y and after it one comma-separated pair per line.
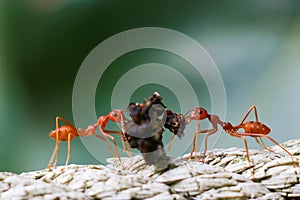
x,y
254,129
68,132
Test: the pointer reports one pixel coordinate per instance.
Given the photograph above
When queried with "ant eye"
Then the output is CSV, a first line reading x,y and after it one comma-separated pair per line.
x,y
114,114
200,112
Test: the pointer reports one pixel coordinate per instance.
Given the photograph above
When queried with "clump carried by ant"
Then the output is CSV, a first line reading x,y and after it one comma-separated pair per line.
x,y
144,131
143,113
175,122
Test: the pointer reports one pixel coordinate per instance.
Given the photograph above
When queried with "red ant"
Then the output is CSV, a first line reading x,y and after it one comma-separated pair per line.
x,y
254,129
199,114
69,132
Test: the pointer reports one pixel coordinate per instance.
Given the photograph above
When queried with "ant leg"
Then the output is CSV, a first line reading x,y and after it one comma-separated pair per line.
x,y
123,119
107,143
206,140
91,131
115,145
209,132
55,150
125,147
51,159
247,114
262,144
69,149
170,144
248,157
56,158
125,143
56,153
195,140
121,136
188,118
129,152
270,150
194,145
57,142
188,112
268,137
239,135
63,120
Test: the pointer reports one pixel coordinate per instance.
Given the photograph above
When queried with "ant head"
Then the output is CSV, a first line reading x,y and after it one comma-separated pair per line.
x,y
200,113
115,115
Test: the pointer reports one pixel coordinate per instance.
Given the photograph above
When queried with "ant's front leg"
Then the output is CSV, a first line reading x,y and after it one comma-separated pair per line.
x,y
54,155
125,147
171,141
115,144
208,133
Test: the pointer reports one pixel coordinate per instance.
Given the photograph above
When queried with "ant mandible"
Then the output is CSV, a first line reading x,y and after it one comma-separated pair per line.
x,y
68,132
254,129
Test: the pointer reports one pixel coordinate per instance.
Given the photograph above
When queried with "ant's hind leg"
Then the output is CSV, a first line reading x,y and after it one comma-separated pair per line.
x,y
247,114
262,144
272,140
64,121
284,149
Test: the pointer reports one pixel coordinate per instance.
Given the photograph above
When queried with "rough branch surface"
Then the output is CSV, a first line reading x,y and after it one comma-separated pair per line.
x,y
225,174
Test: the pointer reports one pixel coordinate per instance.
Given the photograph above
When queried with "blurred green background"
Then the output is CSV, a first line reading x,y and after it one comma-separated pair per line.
x,y
255,44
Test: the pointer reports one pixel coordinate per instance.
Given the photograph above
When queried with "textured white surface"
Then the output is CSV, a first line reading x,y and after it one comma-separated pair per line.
x,y
225,174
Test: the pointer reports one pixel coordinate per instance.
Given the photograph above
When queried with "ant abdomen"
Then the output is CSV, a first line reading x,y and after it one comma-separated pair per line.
x,y
255,127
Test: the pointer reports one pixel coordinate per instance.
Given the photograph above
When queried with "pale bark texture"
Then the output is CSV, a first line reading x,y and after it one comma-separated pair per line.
x,y
224,175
